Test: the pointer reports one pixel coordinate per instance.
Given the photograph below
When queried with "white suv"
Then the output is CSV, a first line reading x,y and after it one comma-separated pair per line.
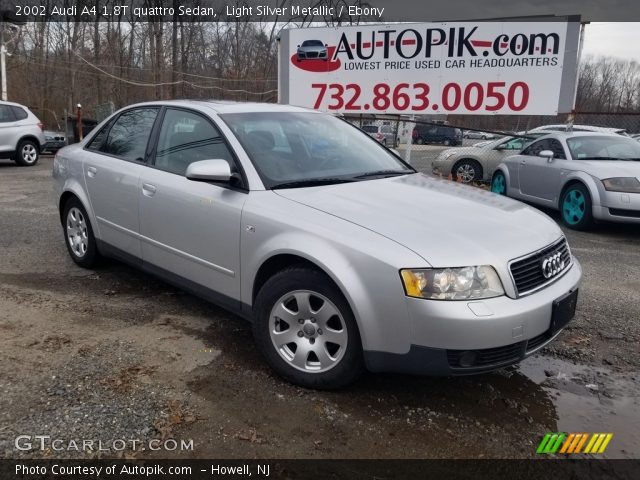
x,y
21,134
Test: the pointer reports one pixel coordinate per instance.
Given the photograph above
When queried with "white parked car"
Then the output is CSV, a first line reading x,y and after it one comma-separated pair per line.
x,y
21,134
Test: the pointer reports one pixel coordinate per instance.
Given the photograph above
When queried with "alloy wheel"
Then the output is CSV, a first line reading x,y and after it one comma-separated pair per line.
x,y
308,331
77,235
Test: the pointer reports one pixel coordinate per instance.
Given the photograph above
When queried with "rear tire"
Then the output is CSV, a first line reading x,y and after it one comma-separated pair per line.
x,y
576,207
306,331
27,154
78,235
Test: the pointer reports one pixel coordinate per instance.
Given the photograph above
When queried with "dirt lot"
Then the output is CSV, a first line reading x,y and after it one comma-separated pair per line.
x,y
115,354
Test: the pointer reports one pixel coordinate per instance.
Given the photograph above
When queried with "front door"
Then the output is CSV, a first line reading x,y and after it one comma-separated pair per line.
x,y
190,228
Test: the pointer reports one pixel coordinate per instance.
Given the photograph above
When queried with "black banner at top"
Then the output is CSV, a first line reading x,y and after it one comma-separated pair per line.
x,y
333,12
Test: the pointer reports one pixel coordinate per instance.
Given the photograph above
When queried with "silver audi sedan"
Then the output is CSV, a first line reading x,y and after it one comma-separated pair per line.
x,y
587,176
342,256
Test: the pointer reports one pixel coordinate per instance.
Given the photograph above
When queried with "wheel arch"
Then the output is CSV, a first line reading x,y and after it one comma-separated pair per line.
x,y
471,159
72,190
31,138
580,178
284,250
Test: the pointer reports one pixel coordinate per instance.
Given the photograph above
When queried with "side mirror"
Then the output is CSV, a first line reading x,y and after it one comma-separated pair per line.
x,y
298,46
502,146
209,170
326,44
548,154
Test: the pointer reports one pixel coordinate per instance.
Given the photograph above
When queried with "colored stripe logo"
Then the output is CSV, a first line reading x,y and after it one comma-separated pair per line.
x,y
571,443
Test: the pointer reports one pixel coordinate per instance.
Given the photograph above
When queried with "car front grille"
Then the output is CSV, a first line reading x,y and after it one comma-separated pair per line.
x,y
312,54
527,272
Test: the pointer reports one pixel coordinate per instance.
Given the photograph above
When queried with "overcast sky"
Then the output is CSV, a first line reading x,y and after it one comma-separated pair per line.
x,y
617,39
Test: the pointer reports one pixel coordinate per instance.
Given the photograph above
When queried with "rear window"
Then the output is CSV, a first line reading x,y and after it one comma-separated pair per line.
x,y
19,113
6,114
370,128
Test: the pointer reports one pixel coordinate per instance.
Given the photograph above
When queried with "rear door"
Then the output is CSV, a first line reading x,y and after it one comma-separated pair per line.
x,y
113,163
190,228
7,129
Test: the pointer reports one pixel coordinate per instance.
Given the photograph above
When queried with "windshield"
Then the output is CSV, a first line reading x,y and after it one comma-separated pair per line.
x,y
290,149
312,43
600,147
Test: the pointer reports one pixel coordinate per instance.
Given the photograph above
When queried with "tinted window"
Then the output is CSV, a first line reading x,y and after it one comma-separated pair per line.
x,y
187,137
6,114
370,128
129,134
545,144
19,113
98,140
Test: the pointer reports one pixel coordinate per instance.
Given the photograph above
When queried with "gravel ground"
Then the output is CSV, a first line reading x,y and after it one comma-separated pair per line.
x,y
114,354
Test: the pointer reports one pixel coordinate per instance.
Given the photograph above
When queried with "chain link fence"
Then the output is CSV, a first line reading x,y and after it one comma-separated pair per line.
x,y
467,148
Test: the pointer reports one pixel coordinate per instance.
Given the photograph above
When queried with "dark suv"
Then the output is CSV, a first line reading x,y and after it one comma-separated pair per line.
x,y
437,134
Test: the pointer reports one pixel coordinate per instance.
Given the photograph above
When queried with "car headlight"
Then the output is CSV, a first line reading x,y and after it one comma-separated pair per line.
x,y
466,283
446,154
622,184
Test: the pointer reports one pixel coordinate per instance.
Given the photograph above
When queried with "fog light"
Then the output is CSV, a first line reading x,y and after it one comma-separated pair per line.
x,y
467,359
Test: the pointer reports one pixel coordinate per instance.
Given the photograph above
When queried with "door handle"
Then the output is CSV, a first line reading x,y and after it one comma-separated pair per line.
x,y
148,190
91,171
523,162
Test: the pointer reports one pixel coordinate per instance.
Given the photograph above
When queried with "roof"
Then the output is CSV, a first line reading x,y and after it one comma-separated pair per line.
x,y
223,106
585,134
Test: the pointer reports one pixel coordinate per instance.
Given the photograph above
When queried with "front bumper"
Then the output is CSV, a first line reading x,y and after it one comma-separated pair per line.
x,y
618,207
501,330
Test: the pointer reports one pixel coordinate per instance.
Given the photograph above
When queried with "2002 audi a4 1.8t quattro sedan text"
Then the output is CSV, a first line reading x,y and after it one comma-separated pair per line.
x,y
342,255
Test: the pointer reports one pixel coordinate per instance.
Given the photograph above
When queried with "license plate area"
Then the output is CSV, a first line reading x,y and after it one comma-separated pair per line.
x,y
564,309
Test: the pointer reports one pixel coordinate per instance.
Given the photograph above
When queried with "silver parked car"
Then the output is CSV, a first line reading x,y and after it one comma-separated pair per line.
x,y
341,255
312,50
585,175
21,134
477,163
382,133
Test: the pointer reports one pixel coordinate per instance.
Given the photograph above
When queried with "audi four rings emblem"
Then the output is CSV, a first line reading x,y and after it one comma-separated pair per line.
x,y
552,265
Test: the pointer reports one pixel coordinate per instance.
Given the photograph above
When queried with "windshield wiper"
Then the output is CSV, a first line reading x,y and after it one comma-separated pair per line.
x,y
384,173
312,182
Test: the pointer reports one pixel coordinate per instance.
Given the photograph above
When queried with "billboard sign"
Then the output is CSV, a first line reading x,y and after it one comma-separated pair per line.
x,y
512,68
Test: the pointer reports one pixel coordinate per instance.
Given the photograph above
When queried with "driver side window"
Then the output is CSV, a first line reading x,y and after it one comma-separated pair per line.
x,y
545,144
187,137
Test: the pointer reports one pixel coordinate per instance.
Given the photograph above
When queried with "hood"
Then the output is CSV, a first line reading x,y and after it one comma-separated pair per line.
x,y
448,224
609,168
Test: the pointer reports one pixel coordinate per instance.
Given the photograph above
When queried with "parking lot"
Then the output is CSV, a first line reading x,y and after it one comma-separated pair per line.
x,y
114,353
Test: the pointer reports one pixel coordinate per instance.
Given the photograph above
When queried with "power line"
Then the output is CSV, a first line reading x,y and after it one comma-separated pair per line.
x,y
177,82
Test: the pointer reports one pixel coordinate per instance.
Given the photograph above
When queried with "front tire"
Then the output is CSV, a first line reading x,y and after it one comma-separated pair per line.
x,y
467,170
27,153
306,331
499,183
576,207
78,235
